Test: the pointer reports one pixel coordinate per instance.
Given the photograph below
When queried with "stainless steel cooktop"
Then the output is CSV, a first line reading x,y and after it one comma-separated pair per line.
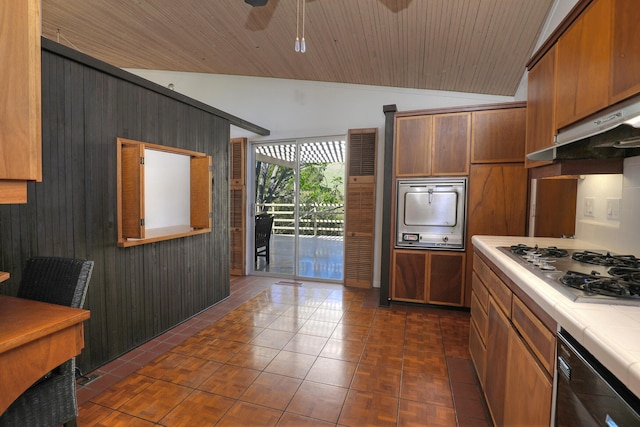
x,y
583,276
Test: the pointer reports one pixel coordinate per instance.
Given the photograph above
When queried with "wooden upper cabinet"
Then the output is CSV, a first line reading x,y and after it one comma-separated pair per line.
x,y
237,160
20,103
413,146
361,155
432,145
451,137
498,136
625,78
541,105
584,65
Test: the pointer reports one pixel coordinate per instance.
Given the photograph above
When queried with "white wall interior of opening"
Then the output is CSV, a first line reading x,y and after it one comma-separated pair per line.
x,y
167,189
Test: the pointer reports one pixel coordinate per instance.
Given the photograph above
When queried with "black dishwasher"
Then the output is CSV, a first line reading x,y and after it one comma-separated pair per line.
x,y
588,394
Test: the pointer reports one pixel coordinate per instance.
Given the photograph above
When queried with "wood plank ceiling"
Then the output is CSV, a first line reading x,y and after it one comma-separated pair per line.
x,y
478,46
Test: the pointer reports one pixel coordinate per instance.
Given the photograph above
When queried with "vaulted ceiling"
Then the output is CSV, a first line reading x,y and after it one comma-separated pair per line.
x,y
478,46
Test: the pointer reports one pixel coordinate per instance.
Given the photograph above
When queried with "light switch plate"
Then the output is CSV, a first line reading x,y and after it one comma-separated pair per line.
x,y
588,207
613,208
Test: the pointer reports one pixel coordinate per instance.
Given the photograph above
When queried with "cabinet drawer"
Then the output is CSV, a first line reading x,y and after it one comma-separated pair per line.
x,y
500,292
481,292
478,352
479,316
541,340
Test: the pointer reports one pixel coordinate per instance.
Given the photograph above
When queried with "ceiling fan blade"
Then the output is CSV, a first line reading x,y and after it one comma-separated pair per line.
x,y
256,3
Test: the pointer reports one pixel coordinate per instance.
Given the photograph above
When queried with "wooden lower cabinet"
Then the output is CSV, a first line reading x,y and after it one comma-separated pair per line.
x,y
478,352
445,278
528,389
410,276
433,277
510,349
495,374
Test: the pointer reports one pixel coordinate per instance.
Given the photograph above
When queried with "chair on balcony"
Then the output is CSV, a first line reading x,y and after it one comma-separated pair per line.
x,y
264,224
51,401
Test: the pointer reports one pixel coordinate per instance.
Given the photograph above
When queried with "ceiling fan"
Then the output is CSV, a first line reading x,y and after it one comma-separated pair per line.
x,y
256,3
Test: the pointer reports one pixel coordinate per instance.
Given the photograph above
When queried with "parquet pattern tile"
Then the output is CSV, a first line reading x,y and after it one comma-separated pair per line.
x,y
198,409
310,355
230,381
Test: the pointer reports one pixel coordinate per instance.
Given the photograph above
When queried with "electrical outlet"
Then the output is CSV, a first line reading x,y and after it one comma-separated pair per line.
x,y
588,207
613,209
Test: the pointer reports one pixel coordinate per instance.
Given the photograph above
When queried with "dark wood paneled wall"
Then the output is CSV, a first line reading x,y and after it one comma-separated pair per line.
x,y
139,292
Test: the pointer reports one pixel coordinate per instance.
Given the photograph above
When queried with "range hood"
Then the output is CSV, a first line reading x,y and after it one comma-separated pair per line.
x,y
598,136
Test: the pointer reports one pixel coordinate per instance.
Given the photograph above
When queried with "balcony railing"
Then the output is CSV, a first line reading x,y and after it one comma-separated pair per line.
x,y
315,219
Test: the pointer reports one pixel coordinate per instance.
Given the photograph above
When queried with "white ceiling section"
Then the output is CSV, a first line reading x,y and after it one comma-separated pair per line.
x,y
473,46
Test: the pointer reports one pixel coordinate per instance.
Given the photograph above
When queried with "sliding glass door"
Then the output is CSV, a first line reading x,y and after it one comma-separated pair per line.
x,y
299,186
275,195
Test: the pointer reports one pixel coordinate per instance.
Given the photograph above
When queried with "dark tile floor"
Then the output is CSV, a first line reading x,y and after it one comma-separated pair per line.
x,y
281,354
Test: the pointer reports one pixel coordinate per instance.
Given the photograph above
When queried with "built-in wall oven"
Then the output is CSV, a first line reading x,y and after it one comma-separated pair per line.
x,y
588,394
430,213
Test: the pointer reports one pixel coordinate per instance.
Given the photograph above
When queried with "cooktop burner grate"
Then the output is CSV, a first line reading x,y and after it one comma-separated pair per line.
x,y
606,260
595,276
598,285
627,274
548,252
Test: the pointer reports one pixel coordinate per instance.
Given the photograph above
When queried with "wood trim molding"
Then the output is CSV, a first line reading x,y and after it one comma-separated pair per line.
x,y
573,168
462,109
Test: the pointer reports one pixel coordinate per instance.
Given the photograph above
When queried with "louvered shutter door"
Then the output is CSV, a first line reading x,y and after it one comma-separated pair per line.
x,y
360,207
237,200
358,270
360,200
236,161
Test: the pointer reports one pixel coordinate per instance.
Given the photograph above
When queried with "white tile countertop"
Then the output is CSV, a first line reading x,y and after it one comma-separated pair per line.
x,y
610,332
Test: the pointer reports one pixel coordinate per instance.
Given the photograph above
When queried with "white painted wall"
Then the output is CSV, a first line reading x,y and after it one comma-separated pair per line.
x,y
300,108
167,189
620,235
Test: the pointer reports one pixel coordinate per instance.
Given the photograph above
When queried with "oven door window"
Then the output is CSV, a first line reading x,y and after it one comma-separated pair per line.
x,y
434,209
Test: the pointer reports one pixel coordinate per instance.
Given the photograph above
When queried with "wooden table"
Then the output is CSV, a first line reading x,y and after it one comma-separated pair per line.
x,y
35,337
